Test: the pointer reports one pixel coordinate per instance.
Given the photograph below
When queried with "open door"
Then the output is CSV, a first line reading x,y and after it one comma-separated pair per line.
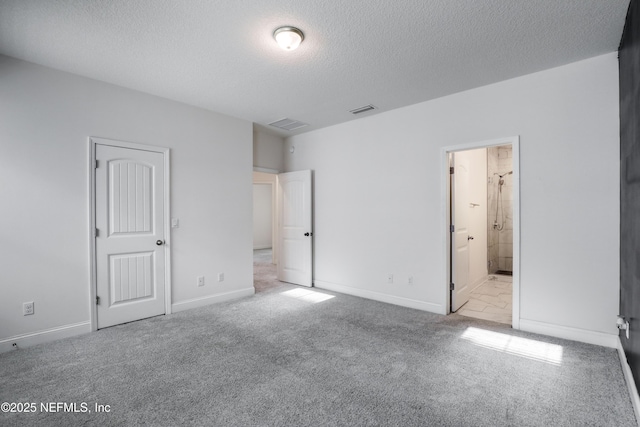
x,y
294,226
460,287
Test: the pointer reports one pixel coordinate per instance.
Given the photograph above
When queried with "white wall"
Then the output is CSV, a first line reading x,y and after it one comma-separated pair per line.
x,y
47,117
268,150
378,183
262,216
272,180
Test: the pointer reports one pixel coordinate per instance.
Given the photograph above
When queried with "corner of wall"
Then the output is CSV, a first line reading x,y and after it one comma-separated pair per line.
x,y
268,149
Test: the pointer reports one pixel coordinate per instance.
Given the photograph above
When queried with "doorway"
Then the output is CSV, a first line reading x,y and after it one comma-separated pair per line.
x,y
265,251
291,231
481,188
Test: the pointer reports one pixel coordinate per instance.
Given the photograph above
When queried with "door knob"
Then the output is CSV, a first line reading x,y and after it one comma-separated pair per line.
x,y
470,238
159,242
306,234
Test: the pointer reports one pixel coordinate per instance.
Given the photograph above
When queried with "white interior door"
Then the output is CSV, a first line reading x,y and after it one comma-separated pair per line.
x,y
460,236
130,250
294,226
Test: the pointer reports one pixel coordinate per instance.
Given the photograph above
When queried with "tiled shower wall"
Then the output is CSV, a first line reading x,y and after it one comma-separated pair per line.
x,y
500,243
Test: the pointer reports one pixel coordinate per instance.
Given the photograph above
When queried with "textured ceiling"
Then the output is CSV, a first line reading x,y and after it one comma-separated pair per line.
x,y
220,55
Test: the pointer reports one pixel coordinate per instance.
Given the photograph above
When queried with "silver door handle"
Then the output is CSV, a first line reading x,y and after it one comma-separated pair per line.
x,y
159,242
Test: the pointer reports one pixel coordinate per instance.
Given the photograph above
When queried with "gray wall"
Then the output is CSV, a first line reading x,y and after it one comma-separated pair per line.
x,y
46,119
379,185
629,65
262,216
268,150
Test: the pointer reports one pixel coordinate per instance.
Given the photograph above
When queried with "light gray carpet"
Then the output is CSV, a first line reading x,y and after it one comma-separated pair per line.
x,y
278,360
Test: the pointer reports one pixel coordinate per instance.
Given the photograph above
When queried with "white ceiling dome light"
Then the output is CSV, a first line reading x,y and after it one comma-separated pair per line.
x,y
289,38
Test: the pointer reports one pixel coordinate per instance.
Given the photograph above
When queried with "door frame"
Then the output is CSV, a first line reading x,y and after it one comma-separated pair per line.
x,y
446,222
93,281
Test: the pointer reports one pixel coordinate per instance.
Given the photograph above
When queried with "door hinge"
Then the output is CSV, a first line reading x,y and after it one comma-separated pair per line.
x,y
451,170
452,286
97,232
97,300
452,228
97,163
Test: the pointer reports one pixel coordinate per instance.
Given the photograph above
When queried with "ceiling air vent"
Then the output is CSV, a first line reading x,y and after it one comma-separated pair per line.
x,y
288,124
362,109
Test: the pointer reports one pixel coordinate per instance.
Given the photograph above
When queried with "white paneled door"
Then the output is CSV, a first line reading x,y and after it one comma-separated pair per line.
x,y
130,242
295,233
460,236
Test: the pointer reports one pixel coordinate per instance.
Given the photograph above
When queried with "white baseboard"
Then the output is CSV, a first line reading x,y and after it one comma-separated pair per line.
x,y
377,296
47,335
211,299
631,384
574,334
628,378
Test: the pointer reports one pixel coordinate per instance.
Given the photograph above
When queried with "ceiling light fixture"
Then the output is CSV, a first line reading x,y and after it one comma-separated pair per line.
x,y
289,38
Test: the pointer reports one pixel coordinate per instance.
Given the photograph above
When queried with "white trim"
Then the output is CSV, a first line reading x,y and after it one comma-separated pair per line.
x,y
265,170
628,378
212,299
515,144
47,335
166,152
167,229
377,296
93,312
257,248
569,333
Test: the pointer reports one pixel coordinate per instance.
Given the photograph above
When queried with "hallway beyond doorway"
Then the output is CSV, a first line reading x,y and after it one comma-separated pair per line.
x,y
265,275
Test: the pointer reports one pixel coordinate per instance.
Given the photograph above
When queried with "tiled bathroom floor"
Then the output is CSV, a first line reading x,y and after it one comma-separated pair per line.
x,y
492,300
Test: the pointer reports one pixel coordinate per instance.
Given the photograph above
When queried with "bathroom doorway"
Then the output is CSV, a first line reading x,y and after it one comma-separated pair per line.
x,y
482,224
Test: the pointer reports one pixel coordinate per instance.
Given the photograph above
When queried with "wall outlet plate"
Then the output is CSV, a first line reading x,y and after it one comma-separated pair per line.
x,y
200,280
28,308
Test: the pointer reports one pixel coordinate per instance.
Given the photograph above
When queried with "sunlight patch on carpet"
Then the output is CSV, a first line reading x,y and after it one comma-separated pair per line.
x,y
523,347
307,295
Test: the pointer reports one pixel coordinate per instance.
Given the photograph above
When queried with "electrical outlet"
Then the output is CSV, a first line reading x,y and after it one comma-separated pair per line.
x,y
200,280
220,277
410,280
27,308
390,278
